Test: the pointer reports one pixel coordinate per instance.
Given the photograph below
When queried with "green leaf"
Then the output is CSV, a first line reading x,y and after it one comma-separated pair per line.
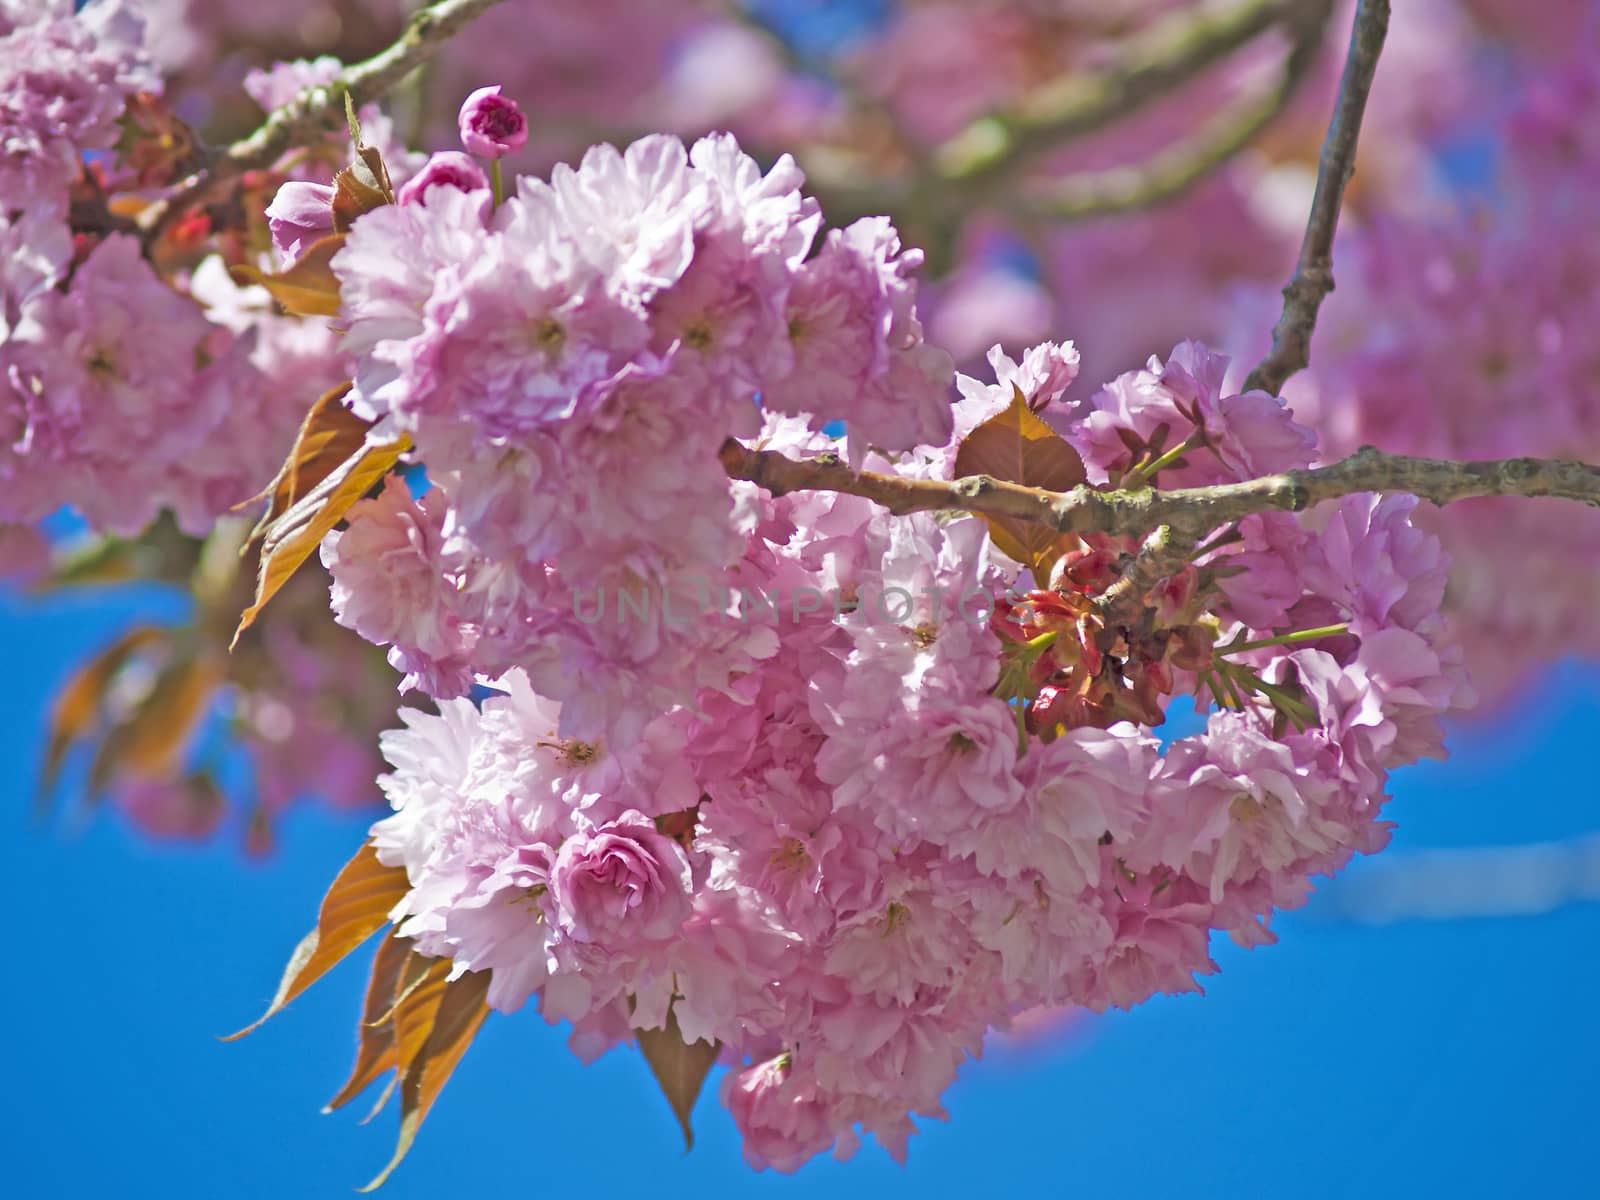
x,y
680,1068
356,907
1016,446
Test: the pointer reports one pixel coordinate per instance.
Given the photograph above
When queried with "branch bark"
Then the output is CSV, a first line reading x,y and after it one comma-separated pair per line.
x,y
1189,513
1163,553
1313,274
320,109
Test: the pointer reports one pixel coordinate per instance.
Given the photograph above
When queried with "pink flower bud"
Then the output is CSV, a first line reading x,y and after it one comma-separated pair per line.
x,y
300,214
448,168
491,125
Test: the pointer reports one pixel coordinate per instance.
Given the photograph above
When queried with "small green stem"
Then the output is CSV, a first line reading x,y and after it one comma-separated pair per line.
x,y
1232,689
497,181
1145,472
1041,643
1286,639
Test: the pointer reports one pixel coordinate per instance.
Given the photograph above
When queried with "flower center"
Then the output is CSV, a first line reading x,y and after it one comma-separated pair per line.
x,y
1245,807
895,916
698,335
791,853
549,335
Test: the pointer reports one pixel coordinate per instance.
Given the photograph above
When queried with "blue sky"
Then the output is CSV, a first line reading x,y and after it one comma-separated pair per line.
x,y
1415,1058
1411,1058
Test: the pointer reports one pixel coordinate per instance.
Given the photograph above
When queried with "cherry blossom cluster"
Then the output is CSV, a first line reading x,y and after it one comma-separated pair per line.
x,y
839,791
568,365
122,393
67,76
139,378
893,825
123,397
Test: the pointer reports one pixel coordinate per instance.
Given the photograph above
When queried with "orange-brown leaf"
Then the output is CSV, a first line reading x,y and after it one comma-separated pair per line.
x,y
418,989
78,705
359,188
308,288
1016,446
376,1052
356,907
150,741
328,437
296,533
128,206
455,1012
680,1068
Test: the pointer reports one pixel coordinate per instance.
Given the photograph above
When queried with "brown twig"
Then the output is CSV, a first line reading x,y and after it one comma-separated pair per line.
x,y
1189,513
1169,548
1313,274
319,110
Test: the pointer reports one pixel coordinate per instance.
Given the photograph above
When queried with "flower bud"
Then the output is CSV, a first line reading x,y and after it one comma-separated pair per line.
x,y
448,168
492,126
300,214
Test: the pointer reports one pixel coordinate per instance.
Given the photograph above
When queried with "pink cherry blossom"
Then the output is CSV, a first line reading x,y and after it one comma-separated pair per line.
x,y
64,76
390,584
448,168
782,1126
622,883
301,213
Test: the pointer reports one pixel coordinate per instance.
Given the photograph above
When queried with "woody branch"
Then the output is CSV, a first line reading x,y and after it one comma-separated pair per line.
x,y
1188,512
319,109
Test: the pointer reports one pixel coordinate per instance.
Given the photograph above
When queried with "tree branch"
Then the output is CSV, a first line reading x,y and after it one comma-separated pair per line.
x,y
1188,513
975,165
1170,546
1163,553
1175,169
318,109
1149,66
1313,274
